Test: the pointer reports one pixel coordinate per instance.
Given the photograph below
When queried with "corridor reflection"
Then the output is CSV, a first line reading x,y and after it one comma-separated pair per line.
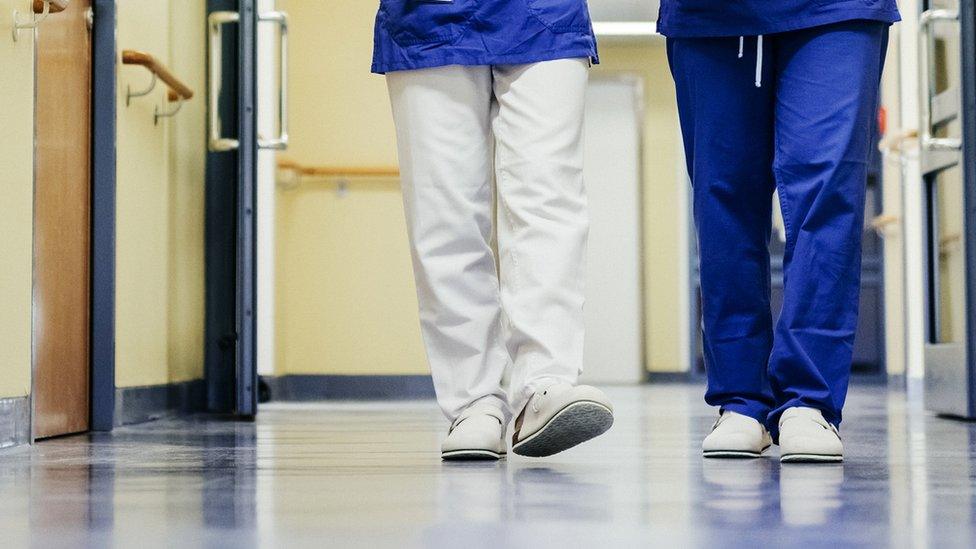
x,y
368,474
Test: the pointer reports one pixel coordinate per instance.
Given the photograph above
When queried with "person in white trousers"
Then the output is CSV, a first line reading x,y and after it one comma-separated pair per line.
x,y
491,158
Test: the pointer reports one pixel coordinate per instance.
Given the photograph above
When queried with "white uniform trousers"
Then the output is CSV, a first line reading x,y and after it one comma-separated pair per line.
x,y
468,136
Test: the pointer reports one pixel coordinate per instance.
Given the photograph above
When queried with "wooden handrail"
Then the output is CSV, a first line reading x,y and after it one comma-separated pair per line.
x,y
949,239
893,143
133,57
882,221
56,6
339,171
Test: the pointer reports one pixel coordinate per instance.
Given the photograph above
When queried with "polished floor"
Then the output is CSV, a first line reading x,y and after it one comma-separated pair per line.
x,y
369,475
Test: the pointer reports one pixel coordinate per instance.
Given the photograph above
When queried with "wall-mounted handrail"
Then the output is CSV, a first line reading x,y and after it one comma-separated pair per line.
x,y
341,174
947,241
178,92
40,10
881,222
339,171
54,7
157,69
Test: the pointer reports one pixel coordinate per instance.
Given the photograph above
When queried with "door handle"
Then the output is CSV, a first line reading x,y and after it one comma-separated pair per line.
x,y
279,143
926,22
216,142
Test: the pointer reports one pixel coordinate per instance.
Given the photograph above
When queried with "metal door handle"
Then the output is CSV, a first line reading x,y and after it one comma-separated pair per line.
x,y
925,24
215,22
281,142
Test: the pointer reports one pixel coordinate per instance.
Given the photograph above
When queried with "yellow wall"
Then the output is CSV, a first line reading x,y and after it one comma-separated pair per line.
x,y
16,205
159,294
187,170
345,296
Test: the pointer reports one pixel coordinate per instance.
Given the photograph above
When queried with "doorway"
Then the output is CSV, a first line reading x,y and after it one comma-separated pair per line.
x,y
231,354
946,139
62,227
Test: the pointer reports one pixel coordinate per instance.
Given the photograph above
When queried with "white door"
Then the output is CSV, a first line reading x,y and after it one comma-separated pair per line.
x,y
614,301
268,97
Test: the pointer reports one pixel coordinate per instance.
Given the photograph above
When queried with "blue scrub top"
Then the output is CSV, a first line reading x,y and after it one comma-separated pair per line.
x,y
417,34
717,18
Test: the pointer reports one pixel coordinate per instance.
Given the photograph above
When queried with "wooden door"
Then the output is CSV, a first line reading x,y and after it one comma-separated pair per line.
x,y
62,225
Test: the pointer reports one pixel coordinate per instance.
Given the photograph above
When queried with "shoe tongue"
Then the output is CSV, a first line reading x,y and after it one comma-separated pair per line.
x,y
808,413
481,409
735,417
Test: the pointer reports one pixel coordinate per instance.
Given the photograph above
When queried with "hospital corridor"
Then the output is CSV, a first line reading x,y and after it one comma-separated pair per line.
x,y
487,273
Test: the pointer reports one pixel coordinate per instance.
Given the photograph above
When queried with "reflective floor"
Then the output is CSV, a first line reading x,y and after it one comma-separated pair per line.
x,y
369,475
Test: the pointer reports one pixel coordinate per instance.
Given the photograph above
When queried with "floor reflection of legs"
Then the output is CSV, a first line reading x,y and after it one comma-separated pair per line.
x,y
810,496
735,489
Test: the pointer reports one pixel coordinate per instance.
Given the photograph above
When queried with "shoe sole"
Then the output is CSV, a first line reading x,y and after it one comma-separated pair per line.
x,y
811,458
472,455
574,424
734,454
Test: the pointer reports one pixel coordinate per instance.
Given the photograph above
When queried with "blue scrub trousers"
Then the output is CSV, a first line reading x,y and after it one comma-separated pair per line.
x,y
805,130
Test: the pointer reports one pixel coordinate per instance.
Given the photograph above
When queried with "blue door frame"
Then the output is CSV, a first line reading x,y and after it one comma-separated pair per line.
x,y
967,12
102,347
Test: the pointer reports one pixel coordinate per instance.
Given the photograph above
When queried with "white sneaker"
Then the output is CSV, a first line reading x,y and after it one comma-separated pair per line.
x,y
736,436
559,418
805,436
478,433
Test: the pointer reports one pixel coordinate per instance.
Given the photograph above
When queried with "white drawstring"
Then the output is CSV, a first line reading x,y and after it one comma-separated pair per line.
x,y
759,56
759,59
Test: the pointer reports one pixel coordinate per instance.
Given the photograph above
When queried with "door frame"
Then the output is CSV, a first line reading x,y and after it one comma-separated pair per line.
x,y
967,20
246,386
953,357
103,185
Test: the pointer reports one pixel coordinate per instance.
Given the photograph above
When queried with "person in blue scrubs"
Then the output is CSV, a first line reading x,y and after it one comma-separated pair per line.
x,y
488,100
778,95
419,34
